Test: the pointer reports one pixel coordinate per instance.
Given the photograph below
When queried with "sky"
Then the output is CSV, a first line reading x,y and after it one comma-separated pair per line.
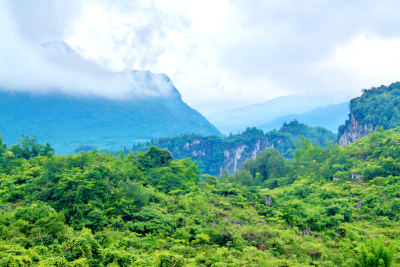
x,y
220,54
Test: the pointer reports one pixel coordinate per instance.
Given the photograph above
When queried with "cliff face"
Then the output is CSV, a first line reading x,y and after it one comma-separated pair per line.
x,y
354,130
233,154
375,108
216,154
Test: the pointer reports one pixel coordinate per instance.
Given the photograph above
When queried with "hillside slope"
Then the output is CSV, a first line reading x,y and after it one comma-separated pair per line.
x,y
128,106
94,209
68,122
376,107
217,154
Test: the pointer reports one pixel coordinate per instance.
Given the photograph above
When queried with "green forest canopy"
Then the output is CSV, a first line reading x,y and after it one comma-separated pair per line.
x,y
377,107
93,209
214,147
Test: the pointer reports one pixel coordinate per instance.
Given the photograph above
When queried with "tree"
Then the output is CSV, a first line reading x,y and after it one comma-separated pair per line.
x,y
375,254
47,150
155,157
268,164
3,147
30,147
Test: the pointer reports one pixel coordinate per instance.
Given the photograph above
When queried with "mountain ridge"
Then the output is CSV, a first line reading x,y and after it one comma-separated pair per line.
x,y
95,120
236,120
375,108
329,117
107,109
218,154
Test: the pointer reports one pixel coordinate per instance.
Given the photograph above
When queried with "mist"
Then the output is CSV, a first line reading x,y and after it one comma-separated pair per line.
x,y
31,66
220,54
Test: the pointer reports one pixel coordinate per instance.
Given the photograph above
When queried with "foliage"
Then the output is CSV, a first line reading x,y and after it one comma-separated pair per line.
x,y
211,152
31,148
375,254
98,209
378,107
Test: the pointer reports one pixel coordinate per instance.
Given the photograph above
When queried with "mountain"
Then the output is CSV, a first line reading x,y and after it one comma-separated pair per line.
x,y
69,122
217,154
329,117
149,107
376,107
236,120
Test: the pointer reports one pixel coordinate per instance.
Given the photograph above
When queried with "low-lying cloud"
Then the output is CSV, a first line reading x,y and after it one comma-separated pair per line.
x,y
54,67
220,54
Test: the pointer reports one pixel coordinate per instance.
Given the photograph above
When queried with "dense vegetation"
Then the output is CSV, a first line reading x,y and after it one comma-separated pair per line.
x,y
93,209
377,107
210,151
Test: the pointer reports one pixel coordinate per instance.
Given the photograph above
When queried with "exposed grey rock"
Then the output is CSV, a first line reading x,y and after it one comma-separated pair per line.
x,y
239,223
356,176
268,201
354,131
306,232
234,157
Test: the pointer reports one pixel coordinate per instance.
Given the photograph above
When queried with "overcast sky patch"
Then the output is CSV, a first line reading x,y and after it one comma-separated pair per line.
x,y
223,54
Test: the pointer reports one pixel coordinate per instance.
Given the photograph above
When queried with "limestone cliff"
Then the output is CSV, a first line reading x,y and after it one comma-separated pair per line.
x,y
233,154
354,130
216,154
234,157
375,108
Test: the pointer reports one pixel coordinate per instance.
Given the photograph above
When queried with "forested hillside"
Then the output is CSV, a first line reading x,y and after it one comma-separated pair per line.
x,y
93,209
217,154
69,122
376,107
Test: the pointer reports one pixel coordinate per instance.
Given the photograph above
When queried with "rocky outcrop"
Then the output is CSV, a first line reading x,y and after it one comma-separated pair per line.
x,y
353,131
234,161
268,201
233,155
215,154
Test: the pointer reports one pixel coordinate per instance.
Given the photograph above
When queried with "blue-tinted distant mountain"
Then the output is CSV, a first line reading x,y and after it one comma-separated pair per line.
x,y
329,117
99,108
68,122
236,120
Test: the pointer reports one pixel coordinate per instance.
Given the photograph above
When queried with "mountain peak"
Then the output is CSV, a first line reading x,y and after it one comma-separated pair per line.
x,y
57,47
155,84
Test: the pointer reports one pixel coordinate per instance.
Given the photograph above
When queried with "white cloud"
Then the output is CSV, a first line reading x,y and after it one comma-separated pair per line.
x,y
370,56
42,20
364,61
26,66
222,54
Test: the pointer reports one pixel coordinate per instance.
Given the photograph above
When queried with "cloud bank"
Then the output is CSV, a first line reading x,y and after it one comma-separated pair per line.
x,y
27,65
220,54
